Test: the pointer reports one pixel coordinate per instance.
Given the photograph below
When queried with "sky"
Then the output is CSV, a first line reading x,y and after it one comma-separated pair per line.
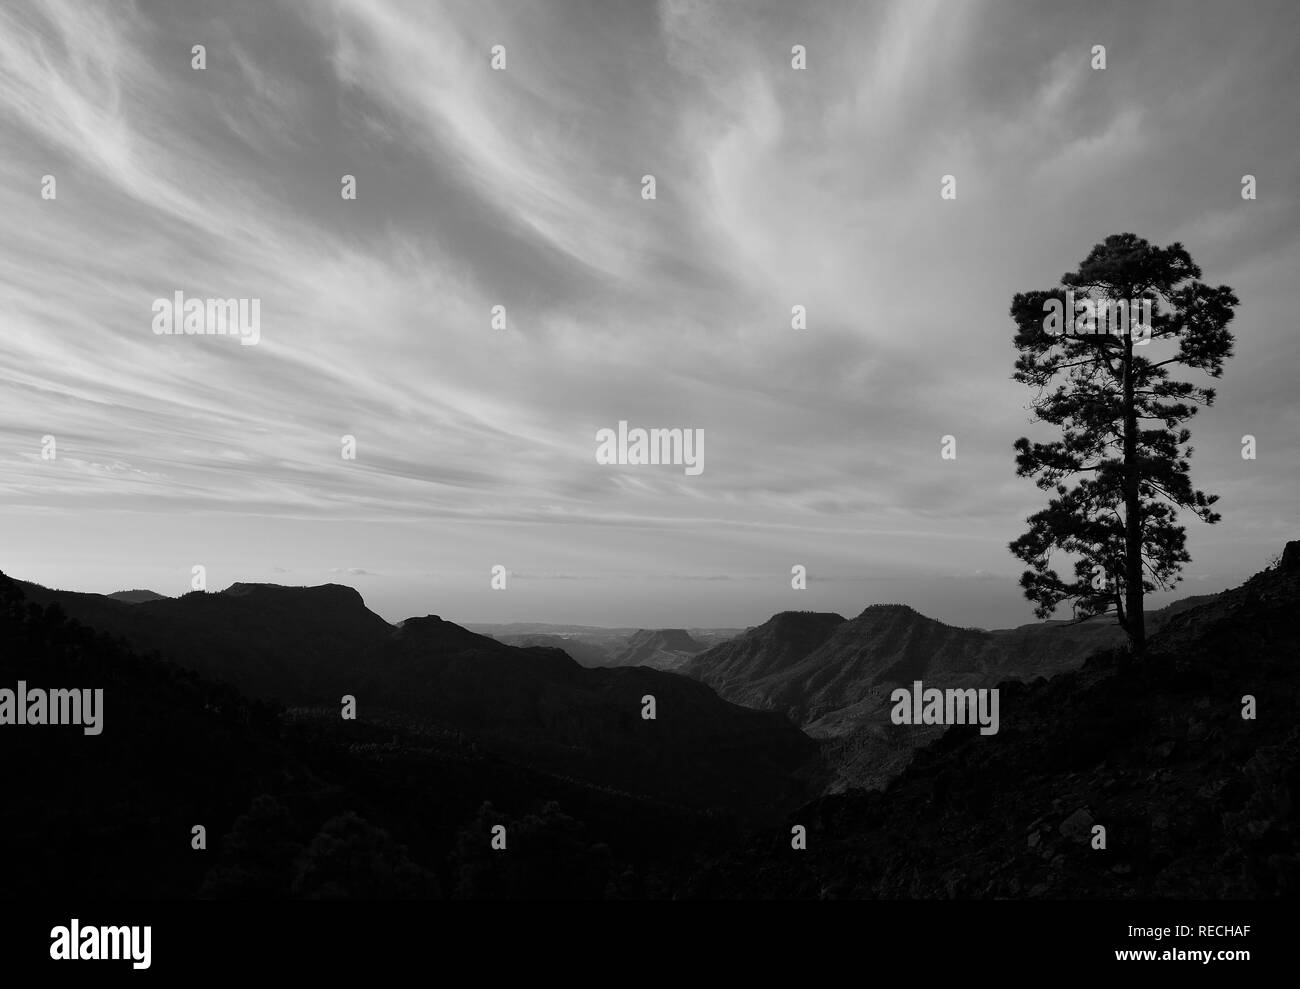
x,y
522,187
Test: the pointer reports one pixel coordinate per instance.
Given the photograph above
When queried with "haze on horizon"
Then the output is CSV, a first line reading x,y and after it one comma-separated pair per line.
x,y
521,188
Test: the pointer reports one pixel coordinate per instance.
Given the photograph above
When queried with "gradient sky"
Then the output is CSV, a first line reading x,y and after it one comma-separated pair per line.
x,y
522,188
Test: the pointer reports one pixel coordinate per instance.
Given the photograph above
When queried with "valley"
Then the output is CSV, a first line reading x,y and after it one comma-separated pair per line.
x,y
226,713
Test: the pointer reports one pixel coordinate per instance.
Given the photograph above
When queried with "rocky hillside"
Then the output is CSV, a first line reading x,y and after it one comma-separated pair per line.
x,y
829,674
1196,800
833,676
660,648
744,668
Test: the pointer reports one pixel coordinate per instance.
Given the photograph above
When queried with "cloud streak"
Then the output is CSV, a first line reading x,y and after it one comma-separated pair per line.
x,y
521,188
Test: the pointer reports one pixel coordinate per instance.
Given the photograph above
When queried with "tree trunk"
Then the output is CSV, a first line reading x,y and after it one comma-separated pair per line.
x,y
1136,620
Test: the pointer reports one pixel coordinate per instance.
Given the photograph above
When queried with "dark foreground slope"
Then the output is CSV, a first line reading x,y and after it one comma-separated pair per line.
x,y
1195,800
297,804
112,814
540,707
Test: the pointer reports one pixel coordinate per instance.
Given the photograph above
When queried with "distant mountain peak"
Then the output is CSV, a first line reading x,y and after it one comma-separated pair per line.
x,y
780,643
136,596
830,675
664,648
901,612
431,630
249,586
889,608
803,617
418,623
334,594
669,638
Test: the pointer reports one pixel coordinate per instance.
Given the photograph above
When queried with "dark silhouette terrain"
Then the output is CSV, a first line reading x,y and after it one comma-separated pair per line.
x,y
1197,802
310,646
457,732
296,803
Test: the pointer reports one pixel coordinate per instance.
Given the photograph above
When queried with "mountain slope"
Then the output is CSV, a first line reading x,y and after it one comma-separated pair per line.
x,y
291,643
313,645
136,596
811,665
110,815
296,804
834,676
539,704
1196,800
738,668
661,648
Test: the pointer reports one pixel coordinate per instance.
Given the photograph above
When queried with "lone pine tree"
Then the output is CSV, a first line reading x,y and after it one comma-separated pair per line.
x,y
1101,374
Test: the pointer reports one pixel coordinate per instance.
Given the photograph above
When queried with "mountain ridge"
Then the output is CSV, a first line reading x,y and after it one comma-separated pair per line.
x,y
1197,801
315,645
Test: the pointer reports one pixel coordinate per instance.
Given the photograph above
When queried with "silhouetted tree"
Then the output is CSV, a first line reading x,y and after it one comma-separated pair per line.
x,y
352,859
549,857
1120,416
258,856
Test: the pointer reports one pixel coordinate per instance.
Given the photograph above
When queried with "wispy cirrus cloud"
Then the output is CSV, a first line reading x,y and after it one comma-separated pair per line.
x,y
521,188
